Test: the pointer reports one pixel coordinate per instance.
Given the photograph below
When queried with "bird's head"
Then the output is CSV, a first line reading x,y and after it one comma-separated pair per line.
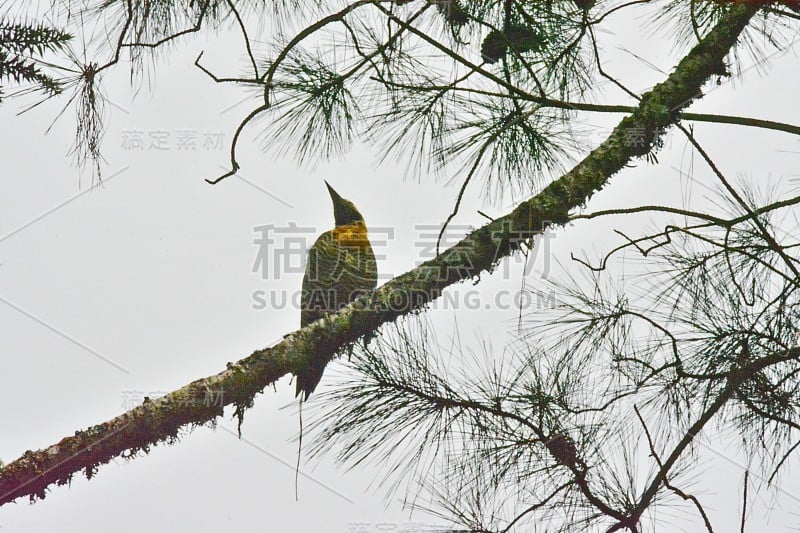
x,y
344,212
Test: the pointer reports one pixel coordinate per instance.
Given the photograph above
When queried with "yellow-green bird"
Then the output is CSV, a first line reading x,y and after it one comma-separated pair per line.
x,y
341,266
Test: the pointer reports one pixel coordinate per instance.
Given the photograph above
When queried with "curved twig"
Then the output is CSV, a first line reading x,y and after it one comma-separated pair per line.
x,y
234,164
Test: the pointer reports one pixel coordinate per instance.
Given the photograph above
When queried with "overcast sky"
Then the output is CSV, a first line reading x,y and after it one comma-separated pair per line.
x,y
138,286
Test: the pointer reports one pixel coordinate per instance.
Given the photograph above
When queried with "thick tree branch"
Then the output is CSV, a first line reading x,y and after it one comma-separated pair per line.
x,y
201,401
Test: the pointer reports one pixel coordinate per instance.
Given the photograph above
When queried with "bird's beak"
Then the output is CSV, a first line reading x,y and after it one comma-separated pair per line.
x,y
337,200
344,212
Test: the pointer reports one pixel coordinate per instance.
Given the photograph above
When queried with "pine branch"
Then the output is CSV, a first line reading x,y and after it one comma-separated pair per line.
x,y
22,70
20,41
31,39
203,400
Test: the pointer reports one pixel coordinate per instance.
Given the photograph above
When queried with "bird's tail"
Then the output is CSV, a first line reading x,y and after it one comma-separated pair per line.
x,y
308,379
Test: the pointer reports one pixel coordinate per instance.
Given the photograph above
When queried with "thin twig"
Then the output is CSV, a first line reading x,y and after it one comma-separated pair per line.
x,y
744,500
745,206
535,506
246,38
197,26
667,484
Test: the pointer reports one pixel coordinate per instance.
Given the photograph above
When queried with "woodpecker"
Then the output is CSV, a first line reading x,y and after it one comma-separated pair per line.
x,y
341,266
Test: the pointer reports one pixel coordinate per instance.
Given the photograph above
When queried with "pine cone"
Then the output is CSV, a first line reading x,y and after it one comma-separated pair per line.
x,y
519,38
585,5
453,13
563,450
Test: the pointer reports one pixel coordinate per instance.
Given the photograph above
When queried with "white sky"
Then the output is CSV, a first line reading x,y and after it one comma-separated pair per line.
x,y
144,284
